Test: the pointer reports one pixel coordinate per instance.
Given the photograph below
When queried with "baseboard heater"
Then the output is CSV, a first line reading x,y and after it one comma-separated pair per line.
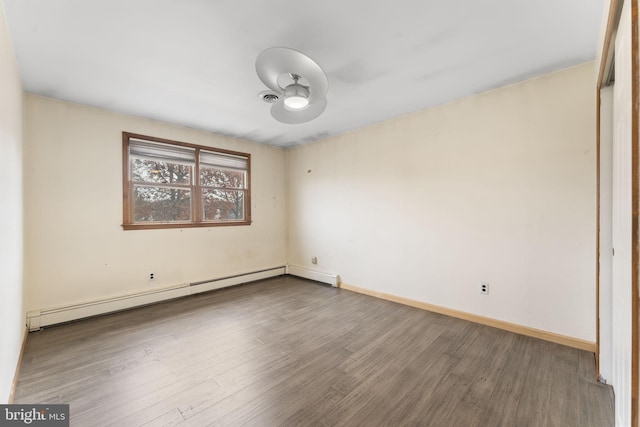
x,y
318,276
52,316
223,282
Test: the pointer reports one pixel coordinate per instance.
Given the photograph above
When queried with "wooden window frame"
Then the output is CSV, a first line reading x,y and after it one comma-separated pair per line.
x,y
195,187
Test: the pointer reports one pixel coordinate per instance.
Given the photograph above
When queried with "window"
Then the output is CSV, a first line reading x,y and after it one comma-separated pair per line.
x,y
169,184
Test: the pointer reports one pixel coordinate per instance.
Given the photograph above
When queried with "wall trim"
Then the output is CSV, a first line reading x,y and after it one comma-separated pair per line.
x,y
50,316
14,383
635,215
589,346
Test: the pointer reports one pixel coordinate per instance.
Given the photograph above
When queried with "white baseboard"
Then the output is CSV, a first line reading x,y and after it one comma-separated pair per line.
x,y
318,276
14,384
500,324
51,316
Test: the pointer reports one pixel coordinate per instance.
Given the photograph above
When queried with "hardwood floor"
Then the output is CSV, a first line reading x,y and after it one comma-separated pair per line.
x,y
290,352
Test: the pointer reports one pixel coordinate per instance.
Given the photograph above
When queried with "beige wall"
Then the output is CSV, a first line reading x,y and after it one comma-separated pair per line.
x,y
12,312
498,188
76,250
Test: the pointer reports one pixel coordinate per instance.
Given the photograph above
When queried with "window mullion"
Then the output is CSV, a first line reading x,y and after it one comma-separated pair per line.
x,y
196,203
161,185
130,194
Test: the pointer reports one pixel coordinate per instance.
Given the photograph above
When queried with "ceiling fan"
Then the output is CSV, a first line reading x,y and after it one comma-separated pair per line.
x,y
298,85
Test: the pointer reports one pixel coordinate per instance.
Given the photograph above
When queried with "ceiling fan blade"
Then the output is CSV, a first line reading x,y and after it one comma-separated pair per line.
x,y
273,62
282,114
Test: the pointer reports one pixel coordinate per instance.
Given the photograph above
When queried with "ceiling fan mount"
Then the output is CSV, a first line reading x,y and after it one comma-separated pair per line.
x,y
296,80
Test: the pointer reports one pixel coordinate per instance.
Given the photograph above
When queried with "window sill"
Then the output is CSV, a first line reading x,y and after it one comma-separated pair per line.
x,y
162,225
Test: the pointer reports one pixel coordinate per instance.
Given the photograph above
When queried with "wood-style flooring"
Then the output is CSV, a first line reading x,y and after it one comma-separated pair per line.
x,y
289,352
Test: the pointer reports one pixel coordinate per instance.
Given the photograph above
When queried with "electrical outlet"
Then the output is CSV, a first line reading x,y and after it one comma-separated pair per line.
x,y
152,276
484,288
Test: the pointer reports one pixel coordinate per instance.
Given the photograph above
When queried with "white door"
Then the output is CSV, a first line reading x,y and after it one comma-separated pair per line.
x,y
621,222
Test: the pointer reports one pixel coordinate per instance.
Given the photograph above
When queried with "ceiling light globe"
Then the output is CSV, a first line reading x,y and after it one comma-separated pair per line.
x,y
296,97
296,102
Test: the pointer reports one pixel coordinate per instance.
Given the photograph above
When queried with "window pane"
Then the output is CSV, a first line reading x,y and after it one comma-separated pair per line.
x,y
144,170
222,178
153,204
222,205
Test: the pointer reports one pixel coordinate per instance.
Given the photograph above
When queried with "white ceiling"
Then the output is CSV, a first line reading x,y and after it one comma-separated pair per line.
x,y
191,62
